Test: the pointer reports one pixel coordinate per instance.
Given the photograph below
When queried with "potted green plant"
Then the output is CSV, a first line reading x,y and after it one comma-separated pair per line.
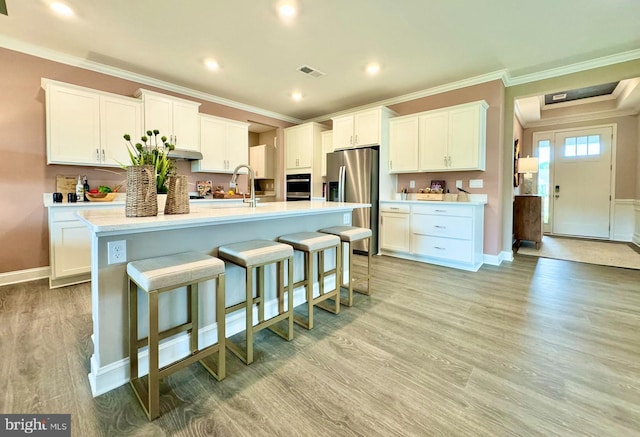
x,y
152,151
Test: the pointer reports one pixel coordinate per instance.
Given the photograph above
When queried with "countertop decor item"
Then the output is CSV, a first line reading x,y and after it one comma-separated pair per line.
x,y
178,196
101,197
142,193
155,152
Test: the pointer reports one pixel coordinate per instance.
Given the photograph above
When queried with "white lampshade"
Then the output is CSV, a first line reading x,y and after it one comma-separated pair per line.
x,y
528,165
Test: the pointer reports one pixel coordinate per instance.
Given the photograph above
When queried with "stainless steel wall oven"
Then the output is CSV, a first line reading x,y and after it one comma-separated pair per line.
x,y
298,187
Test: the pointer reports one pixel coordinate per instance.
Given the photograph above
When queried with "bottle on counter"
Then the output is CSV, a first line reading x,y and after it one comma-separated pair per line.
x,y
86,187
80,190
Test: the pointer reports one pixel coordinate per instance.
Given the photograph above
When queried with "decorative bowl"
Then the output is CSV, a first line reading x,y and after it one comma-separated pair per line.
x,y
101,197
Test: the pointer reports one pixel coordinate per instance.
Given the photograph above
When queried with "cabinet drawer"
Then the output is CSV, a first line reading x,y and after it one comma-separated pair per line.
x,y
445,209
395,207
444,248
438,226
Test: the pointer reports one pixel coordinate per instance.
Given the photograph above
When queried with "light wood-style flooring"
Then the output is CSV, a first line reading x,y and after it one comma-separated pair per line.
x,y
533,347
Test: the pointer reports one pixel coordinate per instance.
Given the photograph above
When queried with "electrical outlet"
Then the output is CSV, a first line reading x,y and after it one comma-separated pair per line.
x,y
117,252
458,184
346,218
412,184
475,183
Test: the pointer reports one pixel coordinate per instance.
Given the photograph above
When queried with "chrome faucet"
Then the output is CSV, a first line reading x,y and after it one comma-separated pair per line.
x,y
252,201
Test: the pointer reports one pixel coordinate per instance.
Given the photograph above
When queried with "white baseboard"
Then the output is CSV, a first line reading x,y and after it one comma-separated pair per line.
x,y
24,275
496,260
113,375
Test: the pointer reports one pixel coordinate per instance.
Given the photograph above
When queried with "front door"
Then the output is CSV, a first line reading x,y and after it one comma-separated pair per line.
x,y
581,188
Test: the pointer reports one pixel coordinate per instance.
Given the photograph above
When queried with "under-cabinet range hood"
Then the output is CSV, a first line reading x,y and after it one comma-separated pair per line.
x,y
190,155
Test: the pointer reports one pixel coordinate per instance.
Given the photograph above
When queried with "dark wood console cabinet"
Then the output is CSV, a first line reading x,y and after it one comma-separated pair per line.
x,y
527,219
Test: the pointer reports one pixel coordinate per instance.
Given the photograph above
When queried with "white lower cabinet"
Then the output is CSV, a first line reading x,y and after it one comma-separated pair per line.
x,y
444,233
69,247
394,227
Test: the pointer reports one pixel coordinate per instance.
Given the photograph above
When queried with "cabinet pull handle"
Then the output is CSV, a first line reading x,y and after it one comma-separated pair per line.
x,y
98,155
445,161
440,210
351,140
440,227
449,161
394,208
356,139
439,248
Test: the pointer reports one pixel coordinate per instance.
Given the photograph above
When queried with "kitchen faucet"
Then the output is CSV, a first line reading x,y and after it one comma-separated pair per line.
x,y
252,201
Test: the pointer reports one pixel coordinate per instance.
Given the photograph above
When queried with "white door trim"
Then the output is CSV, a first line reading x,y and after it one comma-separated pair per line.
x,y
550,135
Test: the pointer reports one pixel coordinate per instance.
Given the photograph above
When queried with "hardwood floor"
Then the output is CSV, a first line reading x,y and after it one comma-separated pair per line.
x,y
534,347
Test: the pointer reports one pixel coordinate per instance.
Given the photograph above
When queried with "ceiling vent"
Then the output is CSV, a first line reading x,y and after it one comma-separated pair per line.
x,y
310,71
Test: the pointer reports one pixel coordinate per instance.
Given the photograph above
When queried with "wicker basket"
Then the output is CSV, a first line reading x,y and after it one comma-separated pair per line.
x,y
142,198
177,196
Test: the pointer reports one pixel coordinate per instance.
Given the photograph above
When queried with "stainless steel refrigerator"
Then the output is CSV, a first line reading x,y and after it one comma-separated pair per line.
x,y
352,176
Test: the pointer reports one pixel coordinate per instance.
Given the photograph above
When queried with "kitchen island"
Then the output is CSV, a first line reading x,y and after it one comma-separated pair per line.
x,y
204,229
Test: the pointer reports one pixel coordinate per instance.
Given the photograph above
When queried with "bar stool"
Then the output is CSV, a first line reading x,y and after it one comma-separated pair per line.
x,y
256,254
312,243
349,235
158,275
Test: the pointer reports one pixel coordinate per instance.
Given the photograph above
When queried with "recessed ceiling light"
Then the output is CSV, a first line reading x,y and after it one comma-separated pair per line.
x,y
373,68
296,96
287,10
62,9
212,64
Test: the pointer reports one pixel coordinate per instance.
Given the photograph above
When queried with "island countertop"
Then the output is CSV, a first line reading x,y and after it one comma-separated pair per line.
x,y
113,220
204,230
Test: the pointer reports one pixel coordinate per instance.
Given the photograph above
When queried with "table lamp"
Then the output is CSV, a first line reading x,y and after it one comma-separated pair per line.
x,y
528,166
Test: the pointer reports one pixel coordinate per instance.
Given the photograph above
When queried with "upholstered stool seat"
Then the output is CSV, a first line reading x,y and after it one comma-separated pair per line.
x,y
158,275
312,243
256,254
349,235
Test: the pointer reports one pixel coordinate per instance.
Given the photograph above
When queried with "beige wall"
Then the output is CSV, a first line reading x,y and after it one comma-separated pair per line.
x,y
626,150
493,94
25,175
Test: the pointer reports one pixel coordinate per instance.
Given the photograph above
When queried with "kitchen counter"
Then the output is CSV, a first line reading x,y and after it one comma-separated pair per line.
x,y
113,220
204,229
119,201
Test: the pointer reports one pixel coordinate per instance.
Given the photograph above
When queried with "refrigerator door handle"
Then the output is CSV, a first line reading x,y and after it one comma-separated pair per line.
x,y
343,173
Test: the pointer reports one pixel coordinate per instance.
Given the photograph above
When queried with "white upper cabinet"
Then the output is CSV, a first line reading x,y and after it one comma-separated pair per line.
x,y
302,144
362,128
327,147
224,144
434,140
119,116
403,144
86,127
262,161
454,139
448,139
175,118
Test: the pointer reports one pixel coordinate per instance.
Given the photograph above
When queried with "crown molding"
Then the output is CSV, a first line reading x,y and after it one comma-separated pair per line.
x,y
476,80
573,68
580,118
75,61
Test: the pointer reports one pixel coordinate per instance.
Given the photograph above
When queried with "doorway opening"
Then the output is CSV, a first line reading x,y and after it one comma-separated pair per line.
x,y
575,180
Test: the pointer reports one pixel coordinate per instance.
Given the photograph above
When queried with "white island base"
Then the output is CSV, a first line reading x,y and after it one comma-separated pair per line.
x,y
204,230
